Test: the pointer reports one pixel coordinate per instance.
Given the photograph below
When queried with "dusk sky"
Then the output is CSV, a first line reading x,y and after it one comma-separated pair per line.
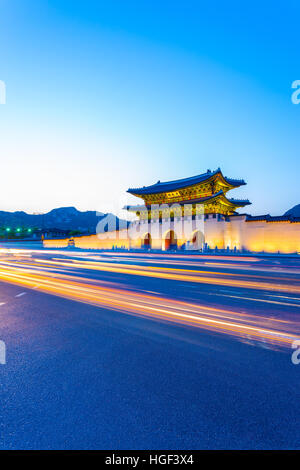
x,y
102,96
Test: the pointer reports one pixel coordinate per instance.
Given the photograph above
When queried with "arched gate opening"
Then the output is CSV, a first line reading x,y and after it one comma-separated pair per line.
x,y
147,241
170,241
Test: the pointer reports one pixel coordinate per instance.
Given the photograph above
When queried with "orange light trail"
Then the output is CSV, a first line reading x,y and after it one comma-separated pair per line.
x,y
242,326
183,275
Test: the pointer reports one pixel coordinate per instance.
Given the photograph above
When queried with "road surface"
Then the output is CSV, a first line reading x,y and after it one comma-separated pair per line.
x,y
148,351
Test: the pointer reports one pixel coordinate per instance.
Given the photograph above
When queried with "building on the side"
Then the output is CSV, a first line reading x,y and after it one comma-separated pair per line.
x,y
196,213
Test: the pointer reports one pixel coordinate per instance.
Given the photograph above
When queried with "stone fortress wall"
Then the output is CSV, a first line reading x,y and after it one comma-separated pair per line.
x,y
237,232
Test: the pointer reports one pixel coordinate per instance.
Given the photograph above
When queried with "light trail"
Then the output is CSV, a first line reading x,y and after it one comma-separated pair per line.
x,y
240,263
243,326
183,275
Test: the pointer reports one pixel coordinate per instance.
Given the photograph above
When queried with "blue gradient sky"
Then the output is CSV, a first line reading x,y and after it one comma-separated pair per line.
x,y
102,96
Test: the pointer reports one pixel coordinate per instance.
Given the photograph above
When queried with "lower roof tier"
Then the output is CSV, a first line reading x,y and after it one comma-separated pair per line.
x,y
216,203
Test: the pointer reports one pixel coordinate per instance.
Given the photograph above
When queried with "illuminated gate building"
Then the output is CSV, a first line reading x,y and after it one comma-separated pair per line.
x,y
186,212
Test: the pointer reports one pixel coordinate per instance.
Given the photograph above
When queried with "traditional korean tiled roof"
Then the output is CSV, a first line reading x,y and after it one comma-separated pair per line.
x,y
240,202
257,218
161,187
236,202
279,218
269,219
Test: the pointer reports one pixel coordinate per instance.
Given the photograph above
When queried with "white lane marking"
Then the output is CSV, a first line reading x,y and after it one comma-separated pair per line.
x,y
284,297
2,303
257,300
227,291
20,295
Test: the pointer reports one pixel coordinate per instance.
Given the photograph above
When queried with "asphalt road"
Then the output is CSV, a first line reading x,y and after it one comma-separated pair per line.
x,y
148,351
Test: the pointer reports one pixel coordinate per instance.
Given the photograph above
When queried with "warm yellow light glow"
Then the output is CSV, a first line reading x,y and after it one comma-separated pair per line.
x,y
111,296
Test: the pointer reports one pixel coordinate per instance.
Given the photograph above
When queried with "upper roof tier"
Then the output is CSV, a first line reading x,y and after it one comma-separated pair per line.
x,y
160,187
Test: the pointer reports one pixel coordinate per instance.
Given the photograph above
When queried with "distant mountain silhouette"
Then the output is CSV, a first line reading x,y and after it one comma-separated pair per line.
x,y
64,218
294,211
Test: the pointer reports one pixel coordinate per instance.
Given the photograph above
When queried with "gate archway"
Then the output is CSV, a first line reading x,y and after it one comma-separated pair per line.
x,y
197,240
147,241
170,241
